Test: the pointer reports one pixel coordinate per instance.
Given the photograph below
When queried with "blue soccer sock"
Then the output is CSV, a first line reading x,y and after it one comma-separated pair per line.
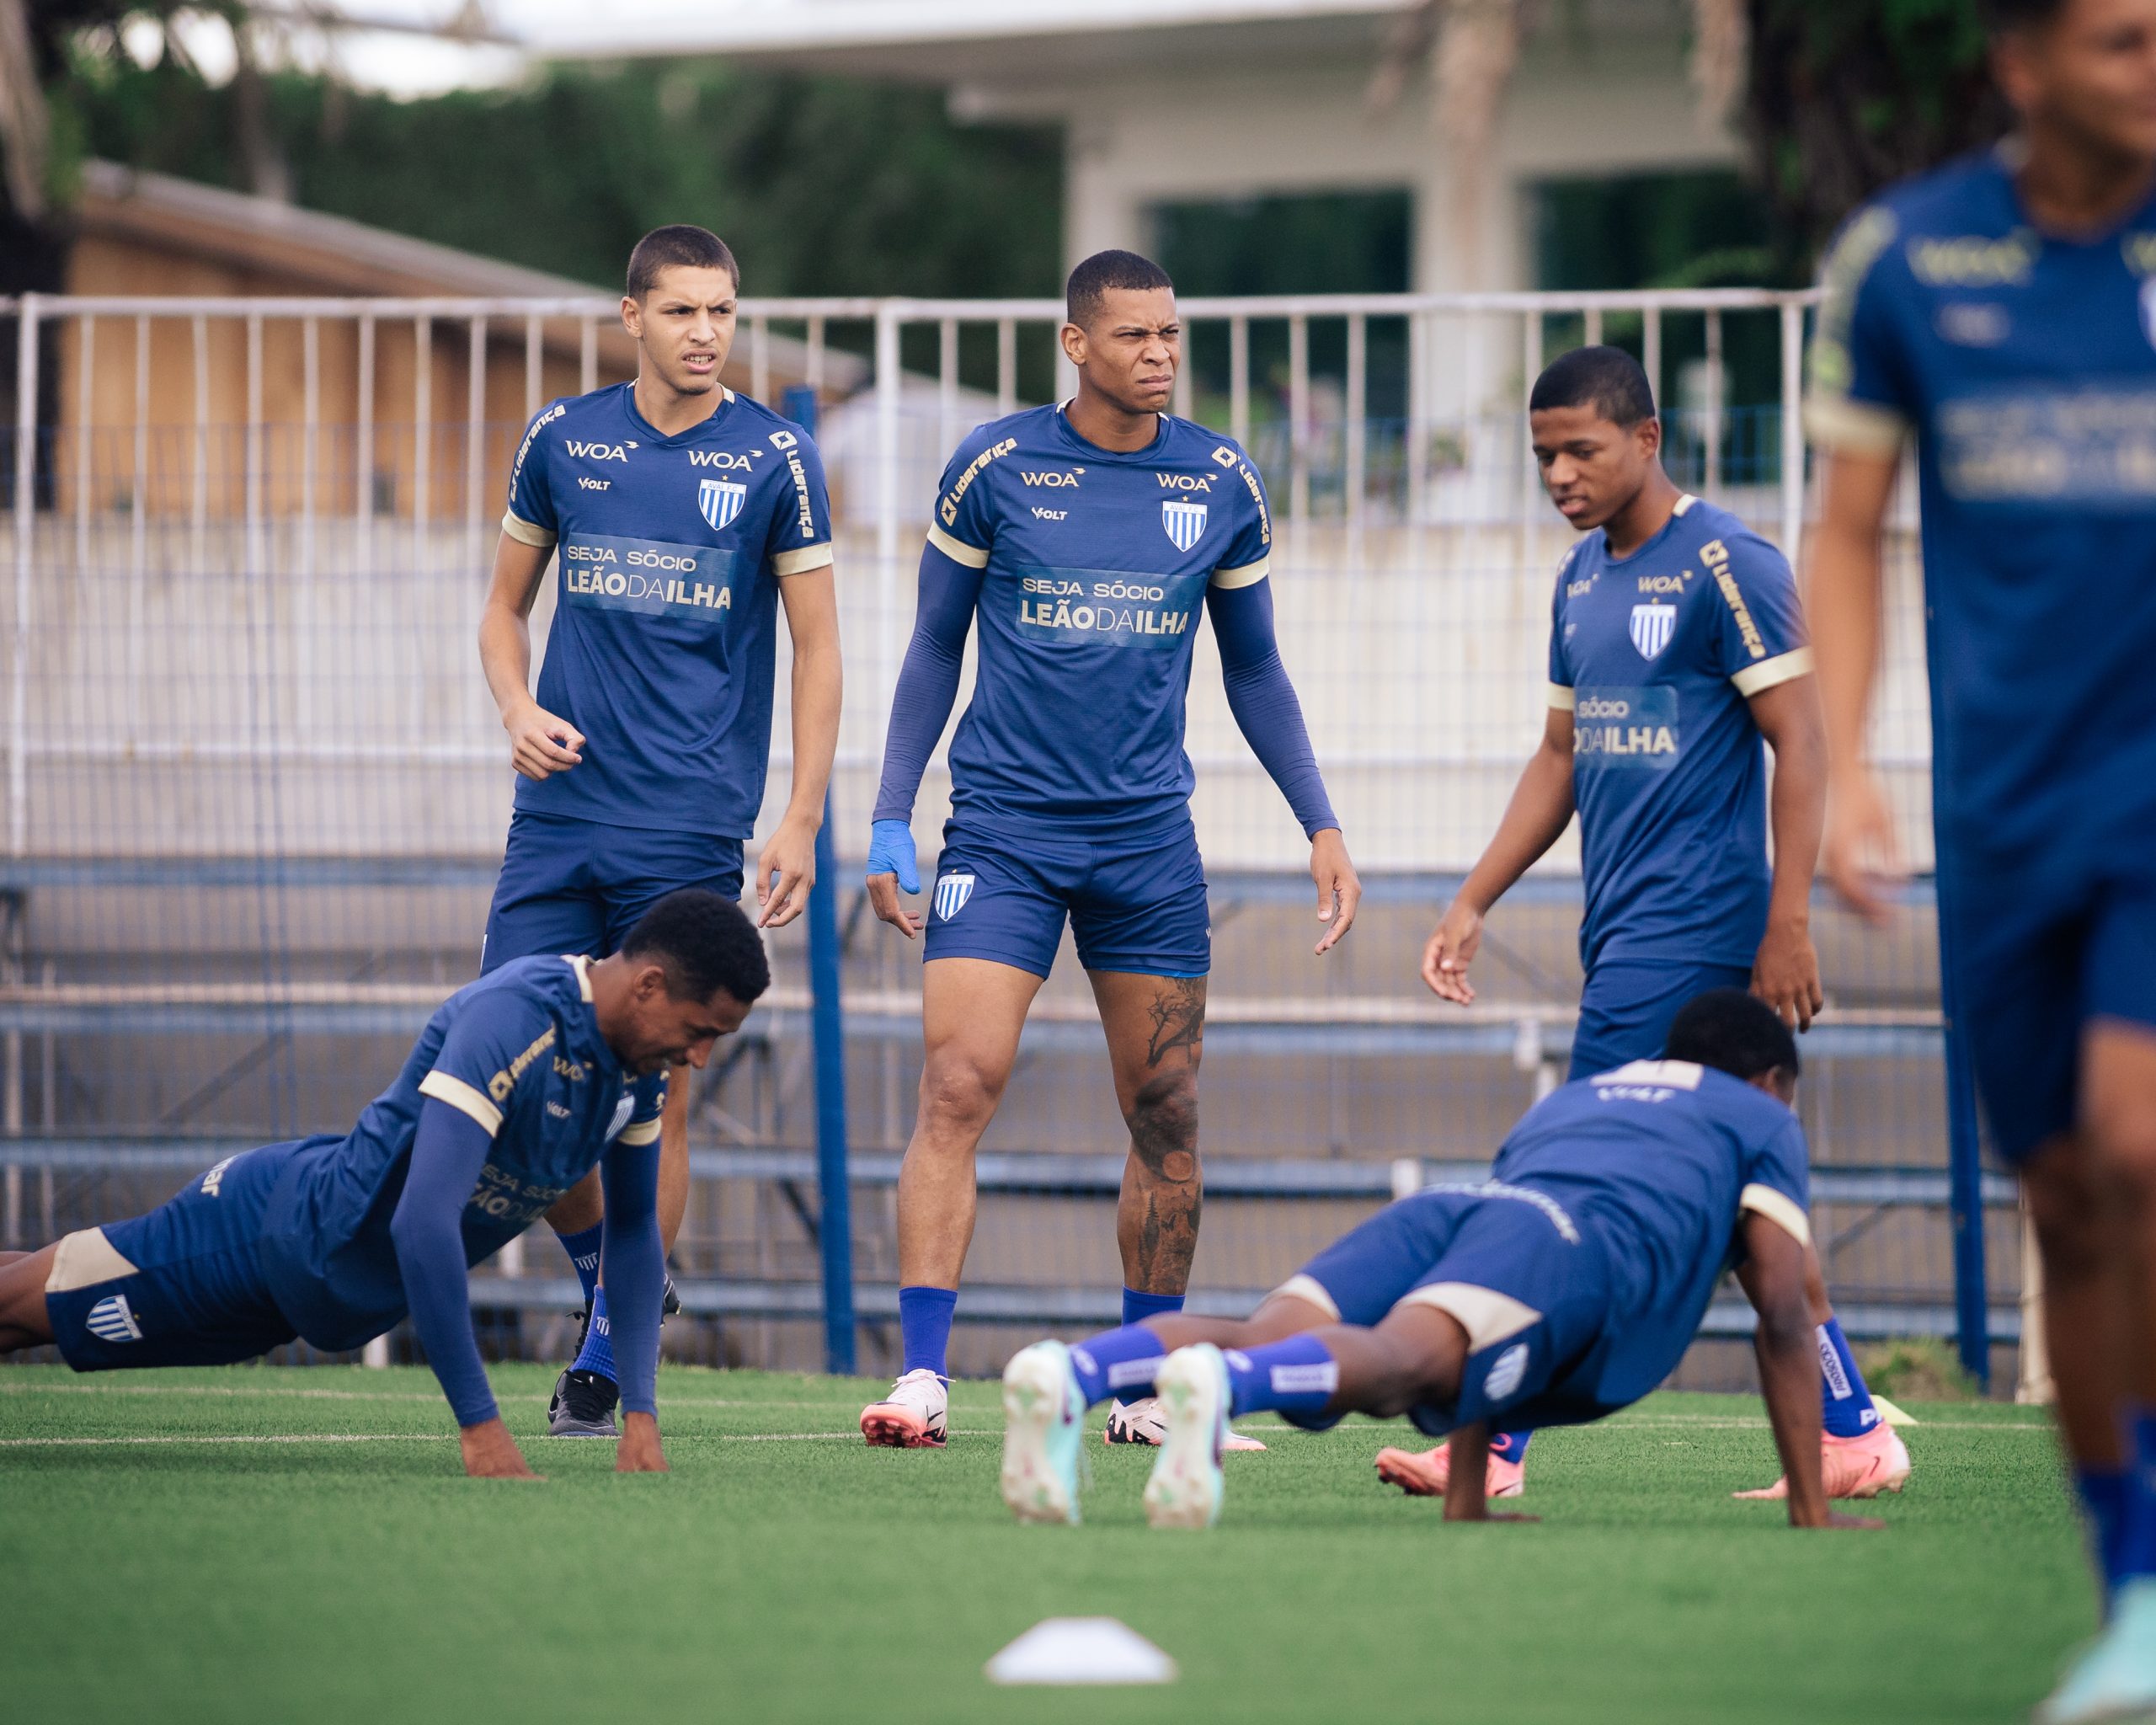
x,y
1138,1306
1296,1375
2104,1493
1117,1362
2136,1545
583,1248
925,1328
597,1355
1510,1446
1847,1403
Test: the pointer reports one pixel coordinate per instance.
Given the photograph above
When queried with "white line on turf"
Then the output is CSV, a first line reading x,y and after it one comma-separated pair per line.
x,y
416,1438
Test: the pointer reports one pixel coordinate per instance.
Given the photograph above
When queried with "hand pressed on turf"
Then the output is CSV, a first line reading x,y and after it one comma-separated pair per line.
x,y
491,1452
638,1449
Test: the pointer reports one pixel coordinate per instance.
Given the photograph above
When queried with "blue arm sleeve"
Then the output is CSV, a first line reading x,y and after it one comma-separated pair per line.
x,y
1263,701
928,681
635,1266
428,1231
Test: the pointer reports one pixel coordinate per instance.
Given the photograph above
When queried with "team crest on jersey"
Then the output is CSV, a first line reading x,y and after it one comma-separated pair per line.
x,y
721,499
1652,625
952,892
1185,523
111,1319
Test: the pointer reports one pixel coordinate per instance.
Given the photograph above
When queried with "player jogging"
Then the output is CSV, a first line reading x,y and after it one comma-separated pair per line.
x,y
522,1083
1085,537
2001,312
682,515
1561,1289
1676,645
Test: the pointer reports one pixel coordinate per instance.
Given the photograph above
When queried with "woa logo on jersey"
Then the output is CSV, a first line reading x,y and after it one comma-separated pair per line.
x,y
720,500
1653,626
1183,522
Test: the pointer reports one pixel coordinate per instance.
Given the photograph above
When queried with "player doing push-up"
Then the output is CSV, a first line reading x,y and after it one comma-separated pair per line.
x,y
1561,1289
520,1085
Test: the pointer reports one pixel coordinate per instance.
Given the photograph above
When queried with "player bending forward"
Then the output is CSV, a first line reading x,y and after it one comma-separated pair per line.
x,y
520,1086
1564,1288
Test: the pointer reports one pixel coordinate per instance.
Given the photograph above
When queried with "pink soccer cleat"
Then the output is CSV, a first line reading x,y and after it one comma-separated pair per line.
x,y
1861,1466
1424,1474
915,1416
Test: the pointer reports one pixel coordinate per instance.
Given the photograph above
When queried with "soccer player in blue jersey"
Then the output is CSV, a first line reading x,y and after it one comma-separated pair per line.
x,y
1561,1289
522,1083
1676,647
1084,538
681,517
2002,313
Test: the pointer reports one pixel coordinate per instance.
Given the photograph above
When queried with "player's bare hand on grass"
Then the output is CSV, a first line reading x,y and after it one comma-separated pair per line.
x,y
1860,854
491,1452
638,1450
891,869
785,869
1451,948
1786,974
1339,888
540,744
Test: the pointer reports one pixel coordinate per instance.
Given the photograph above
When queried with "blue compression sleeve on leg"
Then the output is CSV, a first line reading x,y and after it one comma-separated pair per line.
x,y
1138,1305
1510,1446
1847,1403
2137,1558
925,1328
2104,1494
635,1273
583,1248
1296,1375
1117,1363
597,1353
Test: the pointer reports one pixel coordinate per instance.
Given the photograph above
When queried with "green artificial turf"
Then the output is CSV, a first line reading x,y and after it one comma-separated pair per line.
x,y
785,1571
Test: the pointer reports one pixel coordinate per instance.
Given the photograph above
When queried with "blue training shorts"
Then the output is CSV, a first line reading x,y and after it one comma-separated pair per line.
x,y
1136,905
579,886
183,1285
2032,965
1627,1004
1530,1289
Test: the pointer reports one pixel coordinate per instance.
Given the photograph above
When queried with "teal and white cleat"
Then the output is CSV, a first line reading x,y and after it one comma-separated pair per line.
x,y
1043,1421
2114,1680
1185,1488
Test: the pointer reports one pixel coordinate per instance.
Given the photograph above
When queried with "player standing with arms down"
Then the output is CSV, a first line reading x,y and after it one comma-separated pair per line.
x,y
2003,312
1676,646
1085,537
683,516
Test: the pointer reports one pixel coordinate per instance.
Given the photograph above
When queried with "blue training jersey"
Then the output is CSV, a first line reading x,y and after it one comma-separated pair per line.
x,y
521,1053
1656,1162
1095,566
670,551
2026,367
1657,655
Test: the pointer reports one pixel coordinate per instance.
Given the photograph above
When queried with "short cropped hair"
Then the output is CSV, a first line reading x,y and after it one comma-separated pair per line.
x,y
1104,272
704,944
2000,16
1734,1033
1607,379
675,247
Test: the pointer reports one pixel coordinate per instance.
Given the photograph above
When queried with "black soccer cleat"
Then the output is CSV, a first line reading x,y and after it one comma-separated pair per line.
x,y
672,1303
582,1406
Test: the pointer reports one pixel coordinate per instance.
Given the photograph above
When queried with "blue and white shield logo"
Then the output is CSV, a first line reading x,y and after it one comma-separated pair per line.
x,y
721,499
111,1319
1652,625
952,892
1185,523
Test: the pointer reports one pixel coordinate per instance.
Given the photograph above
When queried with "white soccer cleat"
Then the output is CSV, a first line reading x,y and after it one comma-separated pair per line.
x,y
1043,1430
1142,1421
1185,1488
916,1415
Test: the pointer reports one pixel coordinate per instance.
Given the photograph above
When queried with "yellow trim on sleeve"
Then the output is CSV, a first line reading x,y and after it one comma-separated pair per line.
x,y
957,549
1249,575
582,965
1684,502
1487,1315
1778,1208
1561,697
801,562
446,1086
1312,1292
1835,422
639,1132
527,532
1785,667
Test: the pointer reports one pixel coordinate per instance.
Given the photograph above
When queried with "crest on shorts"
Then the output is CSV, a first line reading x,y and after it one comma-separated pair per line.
x,y
111,1319
721,499
1185,523
1652,625
952,892
1506,1374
